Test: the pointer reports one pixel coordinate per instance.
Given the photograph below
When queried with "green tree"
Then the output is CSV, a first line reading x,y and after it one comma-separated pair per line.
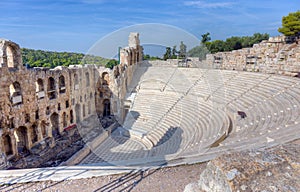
x,y
182,50
146,57
291,24
167,55
111,63
205,38
39,58
174,52
216,46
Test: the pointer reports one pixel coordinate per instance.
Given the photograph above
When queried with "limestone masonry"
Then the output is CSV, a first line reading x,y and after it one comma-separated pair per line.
x,y
39,106
270,56
144,114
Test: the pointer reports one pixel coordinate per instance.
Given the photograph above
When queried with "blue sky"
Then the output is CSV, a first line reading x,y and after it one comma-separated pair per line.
x,y
75,25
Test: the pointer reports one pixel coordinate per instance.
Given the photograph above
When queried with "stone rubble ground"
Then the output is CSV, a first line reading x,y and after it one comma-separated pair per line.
x,y
159,180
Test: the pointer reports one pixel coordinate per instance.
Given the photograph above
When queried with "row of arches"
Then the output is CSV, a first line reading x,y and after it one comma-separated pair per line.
x,y
16,95
23,138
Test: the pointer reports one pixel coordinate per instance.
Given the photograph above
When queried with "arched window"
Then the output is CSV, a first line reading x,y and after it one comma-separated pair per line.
x,y
89,107
21,139
62,84
51,88
10,57
54,119
83,110
71,117
39,84
15,93
87,79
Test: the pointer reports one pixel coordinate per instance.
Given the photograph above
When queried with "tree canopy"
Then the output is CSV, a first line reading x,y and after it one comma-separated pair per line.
x,y
291,24
39,58
205,38
232,43
111,63
168,53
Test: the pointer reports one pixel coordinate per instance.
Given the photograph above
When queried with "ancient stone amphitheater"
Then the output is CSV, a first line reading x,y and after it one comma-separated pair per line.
x,y
165,115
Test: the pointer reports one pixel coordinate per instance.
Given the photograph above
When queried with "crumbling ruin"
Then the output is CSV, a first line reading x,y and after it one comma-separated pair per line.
x,y
41,106
170,115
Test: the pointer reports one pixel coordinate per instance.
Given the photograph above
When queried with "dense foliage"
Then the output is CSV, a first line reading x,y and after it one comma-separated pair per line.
x,y
39,58
291,24
232,43
111,63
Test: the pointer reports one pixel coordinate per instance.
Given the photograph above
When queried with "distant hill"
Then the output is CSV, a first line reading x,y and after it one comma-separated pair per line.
x,y
52,59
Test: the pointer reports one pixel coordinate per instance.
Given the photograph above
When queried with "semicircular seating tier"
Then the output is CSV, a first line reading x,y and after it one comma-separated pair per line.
x,y
193,114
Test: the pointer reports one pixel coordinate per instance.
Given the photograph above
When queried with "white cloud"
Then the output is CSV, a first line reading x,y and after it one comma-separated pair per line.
x,y
204,4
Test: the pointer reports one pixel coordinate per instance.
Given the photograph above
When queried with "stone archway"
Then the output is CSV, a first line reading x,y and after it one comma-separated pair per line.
x,y
21,139
54,119
106,108
10,56
71,117
7,145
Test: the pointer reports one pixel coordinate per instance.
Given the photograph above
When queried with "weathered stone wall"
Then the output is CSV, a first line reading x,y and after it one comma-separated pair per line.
x,y
40,103
273,169
270,56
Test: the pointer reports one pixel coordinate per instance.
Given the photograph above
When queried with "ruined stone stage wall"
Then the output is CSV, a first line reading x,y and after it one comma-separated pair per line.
x,y
272,56
40,103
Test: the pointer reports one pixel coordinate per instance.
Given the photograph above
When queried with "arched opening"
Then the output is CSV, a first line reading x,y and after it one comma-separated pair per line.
x,y
51,88
83,110
87,79
34,134
106,108
105,78
76,82
130,58
7,145
89,107
62,84
15,93
78,113
21,139
10,57
65,123
71,117
39,89
54,119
